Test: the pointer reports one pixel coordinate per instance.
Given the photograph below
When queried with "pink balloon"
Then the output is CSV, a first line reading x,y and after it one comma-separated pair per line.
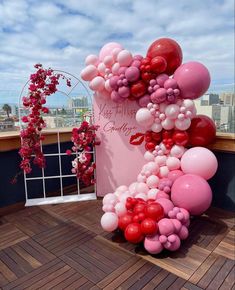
x,y
193,80
183,124
174,174
124,58
132,74
152,244
177,151
166,227
116,97
177,225
166,204
144,117
108,61
89,72
113,82
170,83
115,68
97,84
107,49
109,197
162,194
191,192
120,209
172,111
143,101
161,79
142,187
200,161
174,244
168,124
92,59
152,193
183,233
124,92
109,221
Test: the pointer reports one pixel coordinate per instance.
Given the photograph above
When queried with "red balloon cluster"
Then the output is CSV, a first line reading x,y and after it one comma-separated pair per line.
x,y
168,137
141,219
165,55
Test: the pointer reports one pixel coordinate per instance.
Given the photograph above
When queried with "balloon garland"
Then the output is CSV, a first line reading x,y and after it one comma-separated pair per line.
x,y
172,185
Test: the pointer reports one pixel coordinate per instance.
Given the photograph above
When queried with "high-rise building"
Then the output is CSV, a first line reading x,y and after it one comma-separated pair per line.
x,y
78,102
210,99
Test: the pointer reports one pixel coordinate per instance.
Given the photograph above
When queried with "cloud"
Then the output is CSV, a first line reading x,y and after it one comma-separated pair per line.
x,y
61,33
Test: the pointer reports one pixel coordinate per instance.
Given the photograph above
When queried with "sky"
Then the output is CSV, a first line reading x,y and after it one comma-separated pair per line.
x,y
60,34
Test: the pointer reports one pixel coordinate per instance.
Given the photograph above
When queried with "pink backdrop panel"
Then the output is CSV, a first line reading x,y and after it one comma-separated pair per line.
x,y
118,162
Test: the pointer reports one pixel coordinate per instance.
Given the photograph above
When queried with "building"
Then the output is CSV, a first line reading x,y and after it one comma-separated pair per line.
x,y
228,99
78,102
210,99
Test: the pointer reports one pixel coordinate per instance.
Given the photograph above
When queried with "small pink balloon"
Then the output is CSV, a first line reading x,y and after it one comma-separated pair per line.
x,y
162,194
193,80
166,227
89,72
136,63
173,246
108,48
183,233
152,244
92,59
113,82
170,83
172,111
97,84
143,101
191,192
161,79
115,52
115,68
108,61
174,174
159,96
124,92
200,161
116,97
124,58
166,204
177,225
132,73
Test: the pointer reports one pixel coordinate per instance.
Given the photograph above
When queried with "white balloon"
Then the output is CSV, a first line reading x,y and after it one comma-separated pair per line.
x,y
109,221
172,111
144,117
183,124
148,156
152,193
120,209
156,128
163,172
152,181
177,151
173,163
168,124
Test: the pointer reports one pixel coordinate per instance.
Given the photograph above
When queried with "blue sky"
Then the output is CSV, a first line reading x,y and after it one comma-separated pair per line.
x,y
60,34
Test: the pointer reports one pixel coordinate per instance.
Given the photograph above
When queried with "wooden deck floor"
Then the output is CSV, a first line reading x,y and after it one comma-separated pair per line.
x,y
64,247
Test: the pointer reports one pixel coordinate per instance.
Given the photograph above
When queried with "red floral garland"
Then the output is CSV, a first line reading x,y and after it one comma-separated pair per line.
x,y
43,83
84,142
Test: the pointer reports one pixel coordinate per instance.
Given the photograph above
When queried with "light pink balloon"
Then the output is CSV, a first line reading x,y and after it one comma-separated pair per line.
x,y
163,172
103,94
183,124
166,204
152,167
173,163
168,124
142,187
162,194
152,193
92,59
193,79
183,233
124,58
109,197
115,68
172,111
144,117
174,174
108,61
115,52
200,161
109,221
141,195
89,72
161,79
152,181
116,97
152,244
101,68
191,192
97,84
161,160
177,151
120,209
148,156
156,128
108,48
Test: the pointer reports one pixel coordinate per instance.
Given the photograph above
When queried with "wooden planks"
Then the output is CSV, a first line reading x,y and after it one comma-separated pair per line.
x,y
63,247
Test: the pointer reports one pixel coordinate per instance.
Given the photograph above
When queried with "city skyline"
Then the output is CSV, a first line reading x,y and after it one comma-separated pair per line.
x,y
61,34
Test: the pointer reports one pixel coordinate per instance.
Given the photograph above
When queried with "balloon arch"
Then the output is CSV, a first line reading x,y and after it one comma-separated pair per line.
x,y
172,185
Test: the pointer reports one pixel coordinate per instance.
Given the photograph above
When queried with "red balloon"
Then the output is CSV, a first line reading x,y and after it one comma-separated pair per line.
x,y
158,64
202,131
150,146
156,136
124,221
180,137
147,76
148,226
170,50
138,89
133,233
154,211
140,207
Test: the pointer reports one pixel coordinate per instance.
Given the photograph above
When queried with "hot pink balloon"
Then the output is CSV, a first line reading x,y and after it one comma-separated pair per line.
x,y
191,192
152,244
108,48
132,74
166,204
174,174
193,80
143,101
200,161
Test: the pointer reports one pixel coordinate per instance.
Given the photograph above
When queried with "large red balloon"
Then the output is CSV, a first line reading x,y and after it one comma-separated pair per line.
x,y
170,50
202,131
138,89
133,233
